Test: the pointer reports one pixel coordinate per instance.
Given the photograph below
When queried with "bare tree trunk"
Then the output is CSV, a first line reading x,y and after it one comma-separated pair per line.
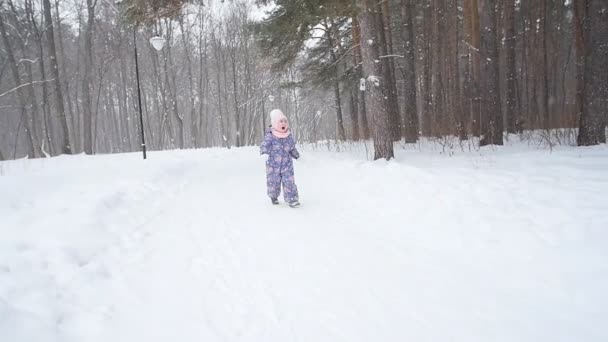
x,y
493,127
330,31
86,80
75,117
237,118
25,115
66,147
339,120
592,126
525,119
218,60
472,31
228,128
359,68
171,87
386,49
453,62
438,127
354,109
296,102
185,40
427,114
373,72
511,113
542,24
123,107
580,11
203,86
32,119
35,131
46,125
411,108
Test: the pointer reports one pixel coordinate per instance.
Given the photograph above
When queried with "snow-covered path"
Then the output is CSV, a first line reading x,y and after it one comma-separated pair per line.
x,y
508,246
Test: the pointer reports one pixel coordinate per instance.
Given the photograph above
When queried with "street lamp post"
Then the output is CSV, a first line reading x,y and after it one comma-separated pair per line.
x,y
141,115
158,43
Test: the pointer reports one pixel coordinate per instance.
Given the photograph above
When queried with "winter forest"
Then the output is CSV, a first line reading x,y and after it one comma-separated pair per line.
x,y
303,170
386,70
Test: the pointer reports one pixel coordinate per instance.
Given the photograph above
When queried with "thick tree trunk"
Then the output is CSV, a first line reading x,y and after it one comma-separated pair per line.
x,y
373,72
411,108
73,114
339,119
592,126
544,69
386,51
66,147
333,44
511,108
358,63
427,111
454,79
472,37
492,124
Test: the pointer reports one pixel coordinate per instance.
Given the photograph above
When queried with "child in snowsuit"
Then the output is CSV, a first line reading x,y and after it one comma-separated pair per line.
x,y
280,147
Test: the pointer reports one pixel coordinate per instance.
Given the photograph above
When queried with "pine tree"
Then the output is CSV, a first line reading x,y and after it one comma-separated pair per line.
x,y
291,24
146,12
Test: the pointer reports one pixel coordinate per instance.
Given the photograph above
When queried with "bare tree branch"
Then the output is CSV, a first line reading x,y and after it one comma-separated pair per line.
x,y
24,85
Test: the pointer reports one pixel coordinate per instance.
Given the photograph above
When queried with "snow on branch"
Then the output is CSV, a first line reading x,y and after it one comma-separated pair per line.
x,y
374,79
470,46
27,60
23,85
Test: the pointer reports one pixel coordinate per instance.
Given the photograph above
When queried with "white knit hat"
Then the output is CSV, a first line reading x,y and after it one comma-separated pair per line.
x,y
275,116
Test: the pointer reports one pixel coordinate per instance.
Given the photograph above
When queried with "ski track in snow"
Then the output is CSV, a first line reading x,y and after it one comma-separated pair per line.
x,y
509,245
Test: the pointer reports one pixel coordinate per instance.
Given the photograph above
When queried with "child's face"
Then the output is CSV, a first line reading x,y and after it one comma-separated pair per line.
x,y
283,125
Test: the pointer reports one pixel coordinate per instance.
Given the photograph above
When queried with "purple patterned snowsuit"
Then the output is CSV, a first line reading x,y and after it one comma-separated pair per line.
x,y
279,166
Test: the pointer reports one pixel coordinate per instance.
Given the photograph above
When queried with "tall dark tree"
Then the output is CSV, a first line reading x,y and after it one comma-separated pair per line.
x,y
376,88
357,56
472,77
387,57
510,37
593,15
409,76
492,126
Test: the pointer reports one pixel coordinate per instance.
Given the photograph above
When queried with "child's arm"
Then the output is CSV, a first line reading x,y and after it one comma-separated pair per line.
x,y
266,144
294,151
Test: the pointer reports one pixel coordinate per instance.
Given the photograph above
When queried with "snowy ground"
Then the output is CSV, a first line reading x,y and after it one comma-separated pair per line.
x,y
507,244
